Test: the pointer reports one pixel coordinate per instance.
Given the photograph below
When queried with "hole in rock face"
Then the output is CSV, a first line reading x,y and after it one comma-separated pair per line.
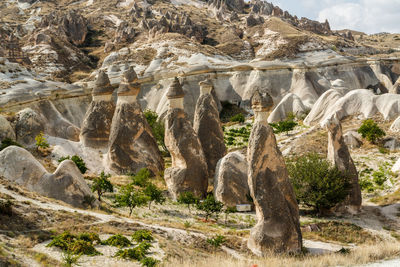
x,y
209,41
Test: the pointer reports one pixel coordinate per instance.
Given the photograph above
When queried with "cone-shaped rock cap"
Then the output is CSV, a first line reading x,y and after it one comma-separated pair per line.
x,y
207,82
175,90
102,85
261,102
129,85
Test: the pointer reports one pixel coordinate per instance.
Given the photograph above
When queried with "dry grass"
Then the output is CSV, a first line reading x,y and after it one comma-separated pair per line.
x,y
341,232
387,199
360,255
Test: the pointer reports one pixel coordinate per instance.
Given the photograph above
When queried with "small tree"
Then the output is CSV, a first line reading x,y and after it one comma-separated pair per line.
x,y
210,205
216,241
101,185
141,178
370,130
131,198
187,198
157,128
154,194
41,141
229,210
317,183
284,126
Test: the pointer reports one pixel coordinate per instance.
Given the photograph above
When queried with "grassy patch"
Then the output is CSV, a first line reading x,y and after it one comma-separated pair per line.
x,y
387,199
341,232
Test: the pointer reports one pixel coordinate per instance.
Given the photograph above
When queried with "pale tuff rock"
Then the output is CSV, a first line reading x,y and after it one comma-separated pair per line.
x,y
28,125
189,168
278,226
395,127
230,181
55,123
66,184
97,123
291,103
352,139
339,155
131,144
208,127
6,130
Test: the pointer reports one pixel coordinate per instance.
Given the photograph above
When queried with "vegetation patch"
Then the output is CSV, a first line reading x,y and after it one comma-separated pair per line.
x,y
8,142
77,245
117,241
342,232
137,253
317,184
142,235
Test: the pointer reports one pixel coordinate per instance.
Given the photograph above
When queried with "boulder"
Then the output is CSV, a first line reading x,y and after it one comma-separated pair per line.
x,y
132,145
339,155
97,123
391,143
230,181
6,130
189,167
28,125
66,183
352,139
208,128
278,226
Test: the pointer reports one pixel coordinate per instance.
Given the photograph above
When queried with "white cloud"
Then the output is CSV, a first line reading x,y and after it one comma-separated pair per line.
x,y
370,16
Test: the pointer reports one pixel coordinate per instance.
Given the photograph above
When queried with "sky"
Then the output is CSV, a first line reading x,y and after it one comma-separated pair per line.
x,y
369,16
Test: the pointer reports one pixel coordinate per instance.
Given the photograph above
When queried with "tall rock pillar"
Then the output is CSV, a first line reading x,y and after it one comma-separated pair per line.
x,y
189,168
278,226
97,123
208,127
132,145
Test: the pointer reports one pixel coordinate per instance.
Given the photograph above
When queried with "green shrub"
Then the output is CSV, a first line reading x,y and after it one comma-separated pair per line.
x,y
238,118
137,253
78,162
72,243
216,241
79,247
101,185
90,237
117,241
210,205
316,183
6,207
41,141
370,130
8,142
187,198
149,262
141,178
142,235
154,194
157,128
69,259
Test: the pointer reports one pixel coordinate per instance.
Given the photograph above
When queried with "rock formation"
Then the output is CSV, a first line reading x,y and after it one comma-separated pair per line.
x,y
132,145
6,130
291,103
395,127
230,182
339,155
278,226
66,183
28,125
189,168
97,123
72,24
352,139
208,127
